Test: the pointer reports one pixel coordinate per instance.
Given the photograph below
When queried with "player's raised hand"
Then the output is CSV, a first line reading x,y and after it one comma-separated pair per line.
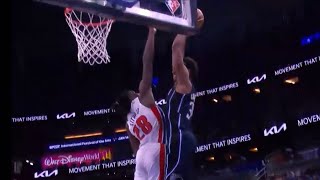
x,y
200,19
152,30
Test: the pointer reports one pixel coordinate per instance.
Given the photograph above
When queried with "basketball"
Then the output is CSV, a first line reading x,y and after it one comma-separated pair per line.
x,y
200,19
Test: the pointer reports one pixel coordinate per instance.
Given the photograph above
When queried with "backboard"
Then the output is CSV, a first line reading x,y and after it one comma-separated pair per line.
x,y
177,16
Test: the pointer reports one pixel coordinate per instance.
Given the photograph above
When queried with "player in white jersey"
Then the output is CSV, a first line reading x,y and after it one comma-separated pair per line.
x,y
144,122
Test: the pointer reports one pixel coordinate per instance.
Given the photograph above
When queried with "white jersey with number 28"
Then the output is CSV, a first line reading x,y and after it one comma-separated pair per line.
x,y
145,123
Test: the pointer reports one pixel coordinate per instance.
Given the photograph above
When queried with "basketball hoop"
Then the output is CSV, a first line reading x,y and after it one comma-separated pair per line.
x,y
91,33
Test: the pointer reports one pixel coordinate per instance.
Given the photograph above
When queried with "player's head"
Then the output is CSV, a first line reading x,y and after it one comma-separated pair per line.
x,y
192,67
123,103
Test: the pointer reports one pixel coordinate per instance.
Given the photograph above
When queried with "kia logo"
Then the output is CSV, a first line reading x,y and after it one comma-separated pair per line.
x,y
275,130
161,102
44,174
66,115
257,79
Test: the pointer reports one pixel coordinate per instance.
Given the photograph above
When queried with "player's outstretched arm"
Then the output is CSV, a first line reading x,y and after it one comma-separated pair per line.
x,y
134,142
183,83
145,87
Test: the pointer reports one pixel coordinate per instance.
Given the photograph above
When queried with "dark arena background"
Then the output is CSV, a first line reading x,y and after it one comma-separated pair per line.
x,y
257,113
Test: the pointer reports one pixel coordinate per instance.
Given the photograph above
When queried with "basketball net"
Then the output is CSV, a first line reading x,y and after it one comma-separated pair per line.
x,y
91,33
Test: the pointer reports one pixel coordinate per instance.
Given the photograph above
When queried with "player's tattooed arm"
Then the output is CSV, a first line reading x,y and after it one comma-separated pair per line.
x,y
183,83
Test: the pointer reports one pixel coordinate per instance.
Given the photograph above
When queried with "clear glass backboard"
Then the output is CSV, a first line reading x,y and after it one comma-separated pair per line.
x,y
177,16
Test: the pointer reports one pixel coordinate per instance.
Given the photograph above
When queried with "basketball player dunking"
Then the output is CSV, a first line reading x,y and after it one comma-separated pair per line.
x,y
180,140
144,122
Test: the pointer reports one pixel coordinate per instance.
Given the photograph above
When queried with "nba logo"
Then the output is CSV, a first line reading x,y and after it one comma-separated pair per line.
x,y
173,5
